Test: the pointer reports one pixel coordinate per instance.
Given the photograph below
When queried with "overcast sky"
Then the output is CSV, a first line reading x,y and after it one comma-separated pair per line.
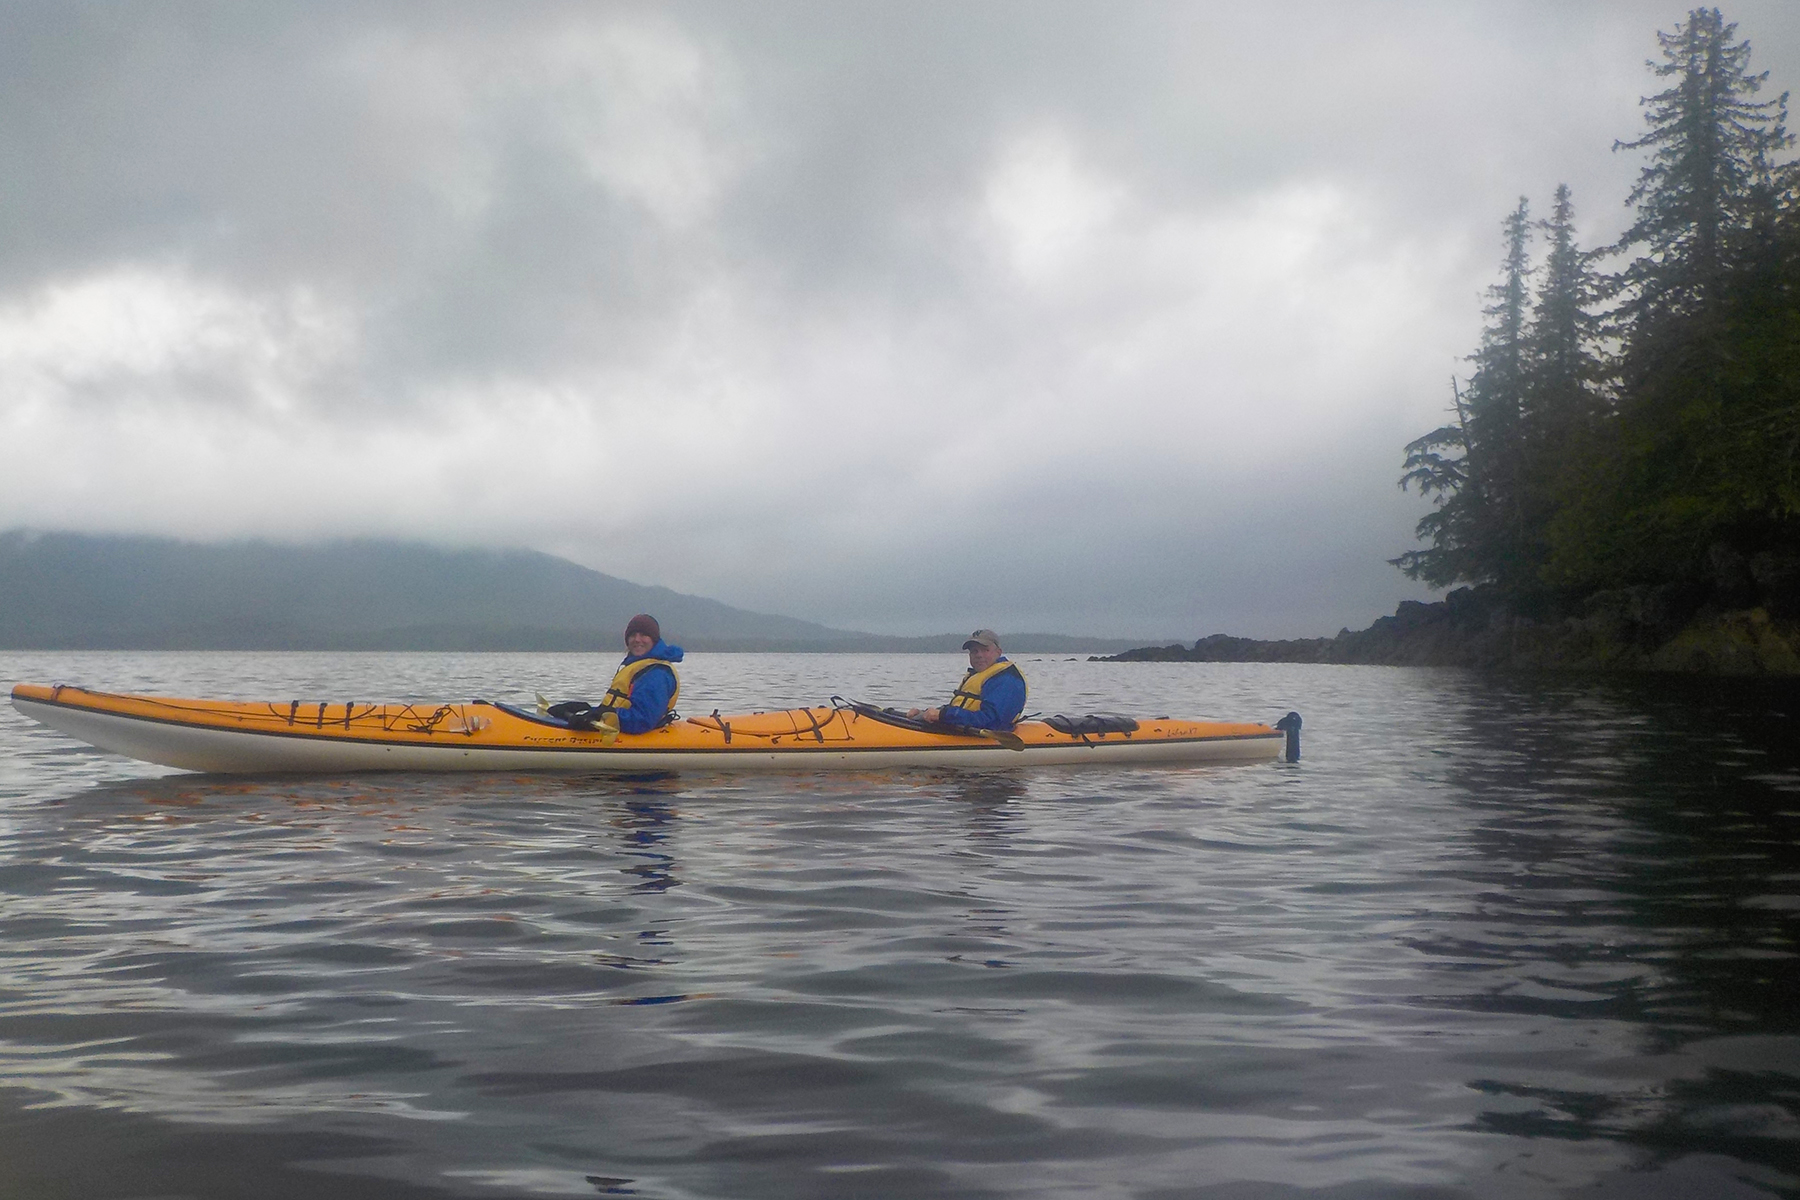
x,y
1100,318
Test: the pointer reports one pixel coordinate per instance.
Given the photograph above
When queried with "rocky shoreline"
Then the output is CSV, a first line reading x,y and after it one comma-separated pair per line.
x,y
1630,629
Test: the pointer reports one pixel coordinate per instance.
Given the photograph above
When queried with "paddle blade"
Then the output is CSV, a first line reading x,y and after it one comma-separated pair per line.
x,y
1011,741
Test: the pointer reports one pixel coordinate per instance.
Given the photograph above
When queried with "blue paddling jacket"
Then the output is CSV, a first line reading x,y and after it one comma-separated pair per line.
x,y
643,691
990,699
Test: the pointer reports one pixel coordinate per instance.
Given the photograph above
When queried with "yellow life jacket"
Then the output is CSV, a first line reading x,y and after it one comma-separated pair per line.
x,y
618,692
968,693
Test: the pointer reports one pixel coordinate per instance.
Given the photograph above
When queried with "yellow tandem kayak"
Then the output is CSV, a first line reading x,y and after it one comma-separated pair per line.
x,y
247,737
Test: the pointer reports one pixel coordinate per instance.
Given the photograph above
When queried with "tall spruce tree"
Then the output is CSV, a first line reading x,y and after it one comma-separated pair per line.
x,y
1497,404
1438,463
1710,143
1565,373
1474,468
1562,395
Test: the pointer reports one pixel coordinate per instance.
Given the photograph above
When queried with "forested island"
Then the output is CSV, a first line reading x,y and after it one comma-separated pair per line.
x,y
1616,486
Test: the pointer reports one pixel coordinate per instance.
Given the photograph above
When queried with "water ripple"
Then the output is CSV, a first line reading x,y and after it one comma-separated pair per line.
x,y
1491,938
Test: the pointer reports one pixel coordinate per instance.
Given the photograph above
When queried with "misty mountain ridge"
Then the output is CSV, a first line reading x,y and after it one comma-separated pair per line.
x,y
72,591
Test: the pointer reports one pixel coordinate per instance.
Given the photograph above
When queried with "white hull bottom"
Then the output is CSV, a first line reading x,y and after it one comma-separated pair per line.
x,y
191,748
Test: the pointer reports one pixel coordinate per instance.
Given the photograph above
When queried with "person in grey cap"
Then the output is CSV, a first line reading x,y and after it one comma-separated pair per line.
x,y
991,695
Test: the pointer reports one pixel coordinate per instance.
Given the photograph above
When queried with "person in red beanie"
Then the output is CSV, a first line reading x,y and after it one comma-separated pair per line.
x,y
642,694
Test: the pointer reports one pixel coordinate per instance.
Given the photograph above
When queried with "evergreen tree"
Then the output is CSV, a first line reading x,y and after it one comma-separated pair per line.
x,y
1496,403
1565,374
1562,402
1677,460
1753,431
1500,364
1704,320
1710,144
1473,468
1438,463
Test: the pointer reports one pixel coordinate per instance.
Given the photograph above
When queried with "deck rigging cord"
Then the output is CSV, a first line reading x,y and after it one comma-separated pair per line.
x,y
893,716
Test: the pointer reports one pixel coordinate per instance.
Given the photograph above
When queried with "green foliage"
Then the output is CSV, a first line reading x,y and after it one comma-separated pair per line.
x,y
1472,468
1709,145
1439,464
1648,443
1564,388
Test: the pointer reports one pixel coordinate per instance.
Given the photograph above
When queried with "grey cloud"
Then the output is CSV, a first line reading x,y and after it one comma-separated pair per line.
x,y
272,147
757,240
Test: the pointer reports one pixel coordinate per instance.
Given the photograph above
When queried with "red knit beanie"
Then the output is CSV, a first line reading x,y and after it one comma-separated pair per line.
x,y
644,623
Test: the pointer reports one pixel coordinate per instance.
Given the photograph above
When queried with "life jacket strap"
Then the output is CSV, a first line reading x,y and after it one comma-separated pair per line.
x,y
968,692
618,692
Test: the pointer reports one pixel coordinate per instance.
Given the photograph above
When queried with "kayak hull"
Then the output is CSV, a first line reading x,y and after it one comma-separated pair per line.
x,y
235,737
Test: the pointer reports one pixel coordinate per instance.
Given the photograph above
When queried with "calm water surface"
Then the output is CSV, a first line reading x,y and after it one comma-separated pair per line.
x,y
1491,938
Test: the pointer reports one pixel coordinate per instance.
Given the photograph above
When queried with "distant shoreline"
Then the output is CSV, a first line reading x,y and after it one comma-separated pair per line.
x,y
1630,629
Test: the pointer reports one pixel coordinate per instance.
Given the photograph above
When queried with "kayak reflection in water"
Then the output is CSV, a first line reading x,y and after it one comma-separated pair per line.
x,y
991,695
642,694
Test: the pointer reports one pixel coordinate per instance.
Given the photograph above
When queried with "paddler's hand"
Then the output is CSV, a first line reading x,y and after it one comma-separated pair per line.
x,y
928,714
